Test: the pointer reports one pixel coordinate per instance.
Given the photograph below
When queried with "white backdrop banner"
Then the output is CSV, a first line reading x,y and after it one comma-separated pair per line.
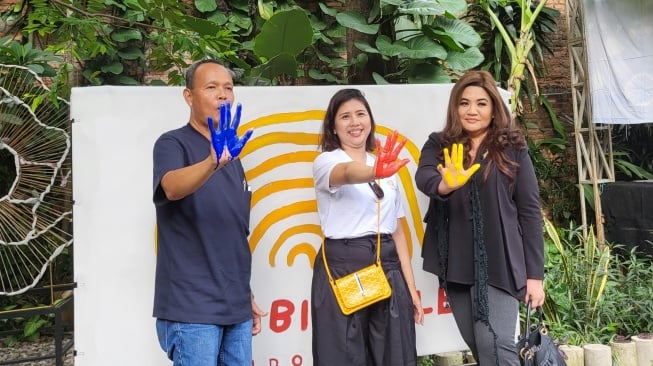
x,y
619,40
114,130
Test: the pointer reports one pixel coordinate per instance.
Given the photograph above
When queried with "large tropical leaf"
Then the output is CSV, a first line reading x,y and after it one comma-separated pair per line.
x,y
458,30
422,47
426,73
201,26
288,31
282,64
356,21
131,53
385,45
205,5
365,47
454,7
461,61
422,7
126,35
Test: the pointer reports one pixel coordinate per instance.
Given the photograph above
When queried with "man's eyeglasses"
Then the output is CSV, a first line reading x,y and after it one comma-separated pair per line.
x,y
378,191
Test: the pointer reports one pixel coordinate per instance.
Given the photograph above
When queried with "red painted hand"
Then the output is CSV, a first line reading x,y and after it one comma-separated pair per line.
x,y
386,156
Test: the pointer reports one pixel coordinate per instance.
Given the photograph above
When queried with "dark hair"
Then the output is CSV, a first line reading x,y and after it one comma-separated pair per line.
x,y
502,132
328,139
190,72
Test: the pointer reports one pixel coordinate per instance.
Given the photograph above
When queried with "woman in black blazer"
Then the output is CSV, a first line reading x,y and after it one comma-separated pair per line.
x,y
483,236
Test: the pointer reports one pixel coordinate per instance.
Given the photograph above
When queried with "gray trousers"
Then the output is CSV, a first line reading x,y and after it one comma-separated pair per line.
x,y
504,314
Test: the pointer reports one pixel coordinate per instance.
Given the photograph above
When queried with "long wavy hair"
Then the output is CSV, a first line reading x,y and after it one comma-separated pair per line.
x,y
502,133
328,139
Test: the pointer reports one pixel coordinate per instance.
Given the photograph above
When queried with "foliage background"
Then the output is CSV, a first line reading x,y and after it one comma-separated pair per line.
x,y
288,42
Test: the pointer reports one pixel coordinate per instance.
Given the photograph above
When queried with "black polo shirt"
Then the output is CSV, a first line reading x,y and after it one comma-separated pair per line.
x,y
203,266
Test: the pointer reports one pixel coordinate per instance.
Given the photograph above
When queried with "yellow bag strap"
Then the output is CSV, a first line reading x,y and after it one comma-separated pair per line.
x,y
378,241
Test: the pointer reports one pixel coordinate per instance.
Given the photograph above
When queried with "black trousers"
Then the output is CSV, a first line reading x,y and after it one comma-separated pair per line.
x,y
382,334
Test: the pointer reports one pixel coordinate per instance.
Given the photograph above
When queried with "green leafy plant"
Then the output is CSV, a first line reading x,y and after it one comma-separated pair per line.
x,y
577,272
631,292
633,151
627,169
18,328
13,52
413,41
518,43
556,178
426,361
595,293
269,43
283,37
498,53
110,40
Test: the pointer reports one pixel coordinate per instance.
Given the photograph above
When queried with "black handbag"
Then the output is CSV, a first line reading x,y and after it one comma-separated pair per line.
x,y
535,346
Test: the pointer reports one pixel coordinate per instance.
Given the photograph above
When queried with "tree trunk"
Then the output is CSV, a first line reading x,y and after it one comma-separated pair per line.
x,y
361,75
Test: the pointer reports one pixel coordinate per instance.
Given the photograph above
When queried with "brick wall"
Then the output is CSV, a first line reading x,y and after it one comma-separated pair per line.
x,y
5,5
556,86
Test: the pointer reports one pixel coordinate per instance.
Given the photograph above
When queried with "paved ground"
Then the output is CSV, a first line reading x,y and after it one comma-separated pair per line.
x,y
44,347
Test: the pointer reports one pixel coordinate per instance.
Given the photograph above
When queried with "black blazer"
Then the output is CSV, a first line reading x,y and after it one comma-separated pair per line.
x,y
519,210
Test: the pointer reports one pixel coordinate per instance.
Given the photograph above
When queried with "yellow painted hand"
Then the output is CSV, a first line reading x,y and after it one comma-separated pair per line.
x,y
453,172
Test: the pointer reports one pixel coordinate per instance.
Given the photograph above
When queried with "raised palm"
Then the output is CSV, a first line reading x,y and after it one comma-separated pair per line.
x,y
453,172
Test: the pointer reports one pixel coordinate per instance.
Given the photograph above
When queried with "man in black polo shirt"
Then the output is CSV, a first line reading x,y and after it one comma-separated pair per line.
x,y
205,310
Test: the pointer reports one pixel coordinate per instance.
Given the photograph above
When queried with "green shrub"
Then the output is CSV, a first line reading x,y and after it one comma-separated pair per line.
x,y
576,279
631,293
593,294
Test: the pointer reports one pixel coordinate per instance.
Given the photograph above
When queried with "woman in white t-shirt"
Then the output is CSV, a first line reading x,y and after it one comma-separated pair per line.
x,y
349,180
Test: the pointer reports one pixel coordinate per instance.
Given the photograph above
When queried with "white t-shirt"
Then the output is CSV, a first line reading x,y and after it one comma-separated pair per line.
x,y
350,210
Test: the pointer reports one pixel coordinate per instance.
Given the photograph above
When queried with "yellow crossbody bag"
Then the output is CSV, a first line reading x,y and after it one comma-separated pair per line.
x,y
363,287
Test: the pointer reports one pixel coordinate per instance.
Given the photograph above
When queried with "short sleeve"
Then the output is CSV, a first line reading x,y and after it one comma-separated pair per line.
x,y
322,167
168,155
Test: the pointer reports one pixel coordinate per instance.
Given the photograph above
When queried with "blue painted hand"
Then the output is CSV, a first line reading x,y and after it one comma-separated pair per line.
x,y
234,144
217,138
